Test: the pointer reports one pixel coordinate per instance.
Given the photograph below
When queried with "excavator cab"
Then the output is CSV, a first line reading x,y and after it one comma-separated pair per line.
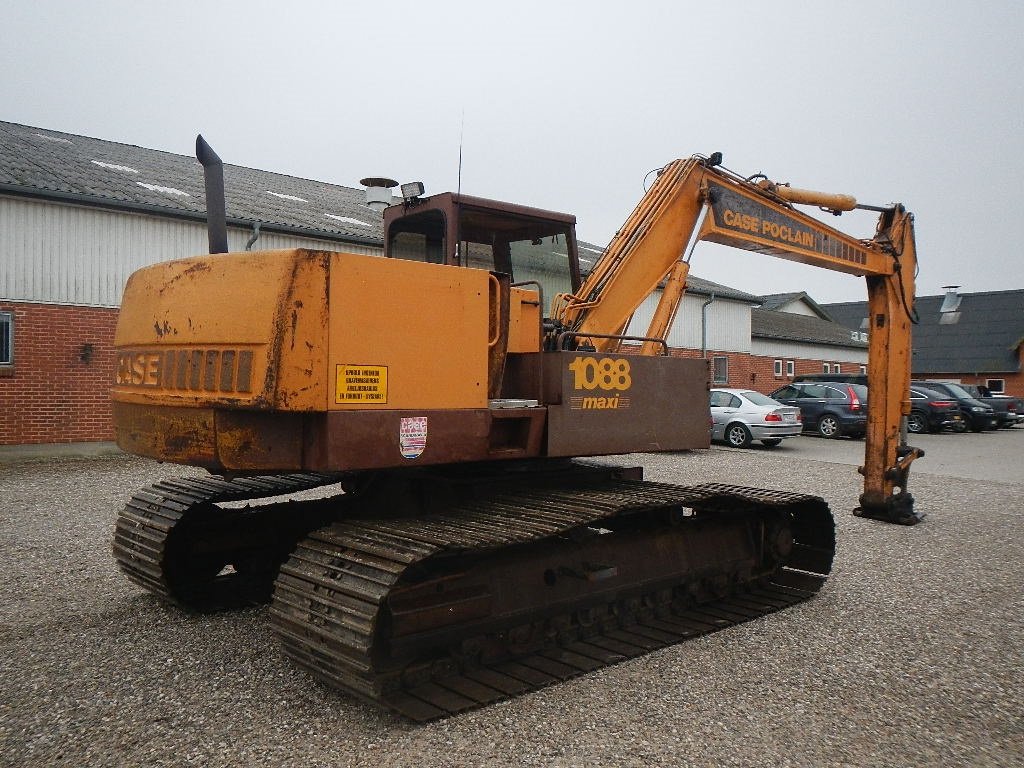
x,y
530,245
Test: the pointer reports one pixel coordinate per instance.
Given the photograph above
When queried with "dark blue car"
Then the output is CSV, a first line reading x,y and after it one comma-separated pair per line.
x,y
831,409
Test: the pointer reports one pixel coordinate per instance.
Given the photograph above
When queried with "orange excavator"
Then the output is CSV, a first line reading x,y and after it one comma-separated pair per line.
x,y
394,444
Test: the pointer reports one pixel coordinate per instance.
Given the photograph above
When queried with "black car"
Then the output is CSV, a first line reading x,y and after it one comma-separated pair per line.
x,y
1005,407
829,408
932,411
977,415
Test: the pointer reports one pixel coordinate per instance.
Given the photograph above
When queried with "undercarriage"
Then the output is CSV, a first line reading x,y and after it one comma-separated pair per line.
x,y
435,592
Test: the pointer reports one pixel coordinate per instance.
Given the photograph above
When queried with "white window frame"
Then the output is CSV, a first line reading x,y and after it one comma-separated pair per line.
x,y
7,339
836,368
1000,389
864,369
790,367
714,370
826,368
778,369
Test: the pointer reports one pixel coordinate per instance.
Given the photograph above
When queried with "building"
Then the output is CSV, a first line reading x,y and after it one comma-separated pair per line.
x,y
970,338
760,342
78,215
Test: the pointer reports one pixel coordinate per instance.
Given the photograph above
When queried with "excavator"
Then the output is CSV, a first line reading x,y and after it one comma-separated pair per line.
x,y
397,447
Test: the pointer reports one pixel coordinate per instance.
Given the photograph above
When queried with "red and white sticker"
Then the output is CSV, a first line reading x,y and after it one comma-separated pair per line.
x,y
412,436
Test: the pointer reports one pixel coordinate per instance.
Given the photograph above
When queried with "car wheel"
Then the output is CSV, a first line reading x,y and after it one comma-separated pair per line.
x,y
737,435
828,426
771,442
917,423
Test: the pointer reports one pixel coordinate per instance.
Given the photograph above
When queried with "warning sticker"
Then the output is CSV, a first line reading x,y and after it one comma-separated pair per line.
x,y
361,384
412,436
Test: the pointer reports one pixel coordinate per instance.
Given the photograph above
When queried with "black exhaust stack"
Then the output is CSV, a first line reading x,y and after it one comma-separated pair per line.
x,y
216,214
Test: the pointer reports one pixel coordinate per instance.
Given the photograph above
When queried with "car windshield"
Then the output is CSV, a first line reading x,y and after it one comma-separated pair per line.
x,y
758,399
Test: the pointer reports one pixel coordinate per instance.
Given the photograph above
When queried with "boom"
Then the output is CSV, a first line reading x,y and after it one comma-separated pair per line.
x,y
650,249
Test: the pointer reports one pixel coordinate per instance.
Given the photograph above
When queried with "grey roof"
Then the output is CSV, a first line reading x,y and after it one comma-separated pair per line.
x,y
985,339
589,254
63,166
786,326
51,164
779,300
703,287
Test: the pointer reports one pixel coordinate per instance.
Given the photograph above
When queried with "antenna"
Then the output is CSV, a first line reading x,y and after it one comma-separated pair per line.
x,y
462,127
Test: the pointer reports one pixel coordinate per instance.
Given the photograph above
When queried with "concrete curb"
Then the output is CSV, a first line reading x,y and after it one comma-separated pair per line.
x,y
12,453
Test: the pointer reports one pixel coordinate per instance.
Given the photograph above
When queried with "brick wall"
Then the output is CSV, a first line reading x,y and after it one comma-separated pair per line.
x,y
52,394
758,373
1013,383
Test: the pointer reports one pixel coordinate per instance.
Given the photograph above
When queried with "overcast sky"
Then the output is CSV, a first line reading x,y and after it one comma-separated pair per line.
x,y
568,105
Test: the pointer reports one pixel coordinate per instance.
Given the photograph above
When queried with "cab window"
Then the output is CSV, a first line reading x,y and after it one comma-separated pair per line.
x,y
419,237
526,249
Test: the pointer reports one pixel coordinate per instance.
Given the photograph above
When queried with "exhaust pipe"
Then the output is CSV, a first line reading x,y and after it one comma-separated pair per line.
x,y
216,213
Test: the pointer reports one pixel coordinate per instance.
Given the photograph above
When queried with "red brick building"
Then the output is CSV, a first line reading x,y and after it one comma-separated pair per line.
x,y
968,338
78,215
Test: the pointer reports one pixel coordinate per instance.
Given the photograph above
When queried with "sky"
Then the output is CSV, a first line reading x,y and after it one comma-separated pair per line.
x,y
569,105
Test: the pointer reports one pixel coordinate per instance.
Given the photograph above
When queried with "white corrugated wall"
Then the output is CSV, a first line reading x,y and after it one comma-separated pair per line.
x,y
65,254
728,323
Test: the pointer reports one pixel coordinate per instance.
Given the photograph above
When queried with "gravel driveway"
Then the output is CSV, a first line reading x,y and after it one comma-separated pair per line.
x,y
911,655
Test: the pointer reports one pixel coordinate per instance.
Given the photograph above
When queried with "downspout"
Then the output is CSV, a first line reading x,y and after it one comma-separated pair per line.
x,y
704,326
255,235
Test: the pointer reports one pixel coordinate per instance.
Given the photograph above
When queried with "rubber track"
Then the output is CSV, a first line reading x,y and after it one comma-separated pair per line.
x,y
144,526
328,594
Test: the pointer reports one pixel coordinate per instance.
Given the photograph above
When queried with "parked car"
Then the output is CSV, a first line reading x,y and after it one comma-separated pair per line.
x,y
740,416
846,378
977,415
1020,406
1005,407
831,409
932,411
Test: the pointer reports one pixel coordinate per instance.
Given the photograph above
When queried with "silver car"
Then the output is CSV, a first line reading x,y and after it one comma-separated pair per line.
x,y
741,416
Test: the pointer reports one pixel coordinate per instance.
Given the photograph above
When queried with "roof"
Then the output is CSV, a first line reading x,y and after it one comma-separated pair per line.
x,y
66,167
786,326
777,301
985,338
79,169
703,287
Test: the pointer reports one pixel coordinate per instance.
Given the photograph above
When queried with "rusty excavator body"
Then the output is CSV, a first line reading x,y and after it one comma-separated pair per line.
x,y
441,397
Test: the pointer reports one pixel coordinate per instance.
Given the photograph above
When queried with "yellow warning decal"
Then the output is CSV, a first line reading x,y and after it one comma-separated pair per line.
x,y
361,384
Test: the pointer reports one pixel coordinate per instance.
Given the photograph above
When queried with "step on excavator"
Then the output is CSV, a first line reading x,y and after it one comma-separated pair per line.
x,y
440,402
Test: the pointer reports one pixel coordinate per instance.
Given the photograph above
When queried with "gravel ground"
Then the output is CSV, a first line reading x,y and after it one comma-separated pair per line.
x,y
911,655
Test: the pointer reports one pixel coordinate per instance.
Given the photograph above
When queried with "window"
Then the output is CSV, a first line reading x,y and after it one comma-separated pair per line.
x,y
864,369
996,385
814,391
789,367
837,368
720,370
724,400
826,368
6,338
778,368
418,238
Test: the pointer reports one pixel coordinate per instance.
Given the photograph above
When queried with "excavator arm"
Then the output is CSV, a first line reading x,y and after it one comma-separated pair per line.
x,y
650,249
